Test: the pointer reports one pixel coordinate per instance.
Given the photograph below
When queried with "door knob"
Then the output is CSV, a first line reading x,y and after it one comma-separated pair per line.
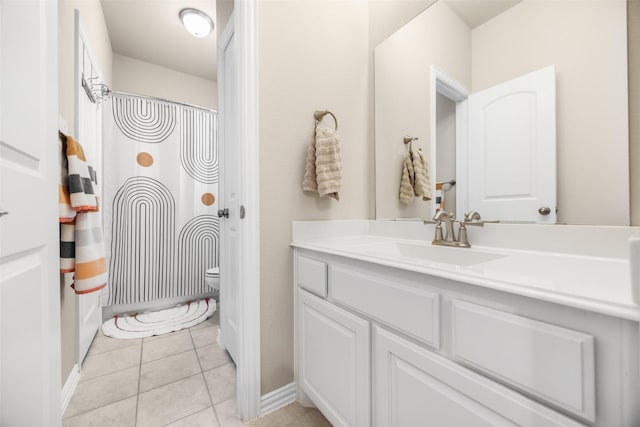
x,y
544,210
3,213
223,213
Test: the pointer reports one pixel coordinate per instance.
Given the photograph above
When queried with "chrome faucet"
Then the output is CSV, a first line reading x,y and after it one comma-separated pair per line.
x,y
449,238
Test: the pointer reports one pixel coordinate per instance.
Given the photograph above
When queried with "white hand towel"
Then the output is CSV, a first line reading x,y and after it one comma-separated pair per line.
x,y
415,180
310,182
328,163
323,169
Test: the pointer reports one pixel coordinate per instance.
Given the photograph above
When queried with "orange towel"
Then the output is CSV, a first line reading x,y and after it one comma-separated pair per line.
x,y
81,242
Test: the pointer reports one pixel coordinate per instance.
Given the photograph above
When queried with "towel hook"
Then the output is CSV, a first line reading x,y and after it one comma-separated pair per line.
x,y
319,115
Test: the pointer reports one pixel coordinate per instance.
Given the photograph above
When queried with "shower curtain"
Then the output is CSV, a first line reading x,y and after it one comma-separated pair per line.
x,y
161,184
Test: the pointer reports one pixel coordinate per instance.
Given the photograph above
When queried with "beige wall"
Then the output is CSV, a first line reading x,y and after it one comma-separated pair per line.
x,y
143,78
633,22
403,96
96,31
385,17
311,55
590,54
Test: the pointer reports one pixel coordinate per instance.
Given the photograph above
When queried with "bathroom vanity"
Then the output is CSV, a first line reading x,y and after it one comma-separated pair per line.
x,y
392,331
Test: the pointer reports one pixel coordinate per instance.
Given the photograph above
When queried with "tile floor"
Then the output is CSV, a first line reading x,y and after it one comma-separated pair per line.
x,y
179,379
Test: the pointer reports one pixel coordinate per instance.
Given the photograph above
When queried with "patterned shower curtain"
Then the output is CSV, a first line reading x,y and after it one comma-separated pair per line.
x,y
161,183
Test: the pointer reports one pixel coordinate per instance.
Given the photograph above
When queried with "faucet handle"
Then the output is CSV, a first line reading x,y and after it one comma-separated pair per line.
x,y
472,216
443,215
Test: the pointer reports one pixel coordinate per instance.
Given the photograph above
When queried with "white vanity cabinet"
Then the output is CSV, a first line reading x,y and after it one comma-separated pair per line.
x,y
416,387
386,347
334,368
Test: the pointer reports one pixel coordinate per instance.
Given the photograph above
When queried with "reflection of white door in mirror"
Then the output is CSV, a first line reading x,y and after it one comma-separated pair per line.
x,y
512,149
505,141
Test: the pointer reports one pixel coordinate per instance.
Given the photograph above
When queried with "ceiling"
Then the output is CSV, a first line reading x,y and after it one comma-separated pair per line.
x,y
151,31
476,12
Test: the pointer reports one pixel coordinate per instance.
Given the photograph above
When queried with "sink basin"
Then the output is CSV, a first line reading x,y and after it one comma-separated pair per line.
x,y
438,254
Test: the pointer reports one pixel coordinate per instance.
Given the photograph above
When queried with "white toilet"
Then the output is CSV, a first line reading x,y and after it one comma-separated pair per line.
x,y
212,278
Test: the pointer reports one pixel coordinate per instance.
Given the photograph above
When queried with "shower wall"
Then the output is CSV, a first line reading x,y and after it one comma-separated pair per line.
x,y
161,184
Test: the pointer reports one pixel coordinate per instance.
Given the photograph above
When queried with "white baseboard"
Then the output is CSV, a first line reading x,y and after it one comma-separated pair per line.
x,y
70,387
278,398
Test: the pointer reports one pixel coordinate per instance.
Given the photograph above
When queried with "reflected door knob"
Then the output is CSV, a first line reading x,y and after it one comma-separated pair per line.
x,y
544,210
3,213
223,213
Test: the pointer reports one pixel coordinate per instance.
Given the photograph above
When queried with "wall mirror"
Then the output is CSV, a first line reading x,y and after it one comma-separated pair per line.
x,y
430,71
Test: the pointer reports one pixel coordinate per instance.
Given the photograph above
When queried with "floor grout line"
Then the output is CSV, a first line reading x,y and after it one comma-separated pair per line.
x,y
165,335
104,375
108,373
187,416
172,382
135,420
215,413
99,407
168,355
128,347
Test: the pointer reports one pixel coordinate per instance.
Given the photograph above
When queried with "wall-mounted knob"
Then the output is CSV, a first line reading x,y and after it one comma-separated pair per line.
x,y
223,213
3,213
544,210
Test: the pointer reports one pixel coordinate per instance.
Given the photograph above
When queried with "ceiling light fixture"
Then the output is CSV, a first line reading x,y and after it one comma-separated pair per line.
x,y
198,23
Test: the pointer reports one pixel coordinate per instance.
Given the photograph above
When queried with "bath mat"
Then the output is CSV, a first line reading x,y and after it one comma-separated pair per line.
x,y
173,319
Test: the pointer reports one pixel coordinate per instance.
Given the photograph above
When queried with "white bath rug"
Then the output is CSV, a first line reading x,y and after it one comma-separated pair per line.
x,y
159,322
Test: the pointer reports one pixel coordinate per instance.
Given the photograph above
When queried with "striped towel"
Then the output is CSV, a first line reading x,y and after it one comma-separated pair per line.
x,y
439,197
323,171
415,181
81,243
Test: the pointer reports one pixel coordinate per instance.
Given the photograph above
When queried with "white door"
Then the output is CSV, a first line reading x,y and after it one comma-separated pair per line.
x,y
512,149
334,349
230,185
88,131
30,385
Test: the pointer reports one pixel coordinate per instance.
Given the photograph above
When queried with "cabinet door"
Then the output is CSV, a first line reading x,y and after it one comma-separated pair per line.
x,y
334,365
416,387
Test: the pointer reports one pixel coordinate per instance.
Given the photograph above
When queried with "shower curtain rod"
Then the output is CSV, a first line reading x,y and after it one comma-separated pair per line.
x,y
105,91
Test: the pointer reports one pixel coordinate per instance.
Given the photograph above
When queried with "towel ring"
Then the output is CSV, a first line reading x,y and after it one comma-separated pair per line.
x,y
408,139
319,115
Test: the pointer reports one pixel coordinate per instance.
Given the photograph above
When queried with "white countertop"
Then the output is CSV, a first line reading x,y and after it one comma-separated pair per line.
x,y
597,283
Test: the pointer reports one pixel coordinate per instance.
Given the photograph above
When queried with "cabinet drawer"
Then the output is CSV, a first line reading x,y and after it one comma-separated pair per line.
x,y
553,363
413,311
312,275
412,384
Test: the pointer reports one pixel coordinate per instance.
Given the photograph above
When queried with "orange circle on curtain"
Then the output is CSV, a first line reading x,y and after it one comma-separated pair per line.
x,y
208,199
144,159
